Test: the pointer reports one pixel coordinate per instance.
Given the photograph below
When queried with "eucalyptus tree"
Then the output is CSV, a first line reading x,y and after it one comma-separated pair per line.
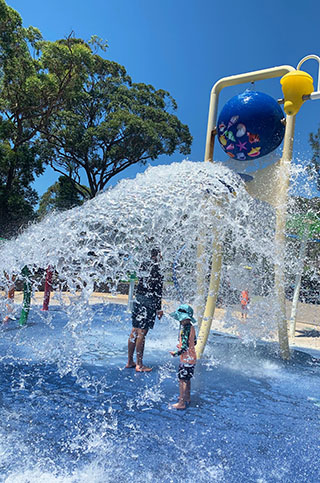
x,y
60,196
63,104
35,78
109,124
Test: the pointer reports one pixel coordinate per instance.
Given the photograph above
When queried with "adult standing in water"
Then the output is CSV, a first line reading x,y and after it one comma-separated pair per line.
x,y
146,307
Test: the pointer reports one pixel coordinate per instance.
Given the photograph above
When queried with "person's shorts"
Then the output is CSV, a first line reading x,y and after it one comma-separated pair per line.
x,y
244,307
143,313
185,372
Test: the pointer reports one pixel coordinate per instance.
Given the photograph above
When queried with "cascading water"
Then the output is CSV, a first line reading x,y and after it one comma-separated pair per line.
x,y
71,413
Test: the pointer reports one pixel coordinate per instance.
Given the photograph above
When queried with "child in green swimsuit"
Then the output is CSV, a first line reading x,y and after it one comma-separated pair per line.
x,y
186,351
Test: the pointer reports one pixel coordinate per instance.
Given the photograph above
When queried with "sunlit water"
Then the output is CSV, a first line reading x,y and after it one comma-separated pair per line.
x,y
72,413
252,417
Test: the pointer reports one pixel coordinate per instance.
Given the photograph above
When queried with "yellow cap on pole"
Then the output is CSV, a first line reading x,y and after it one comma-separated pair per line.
x,y
295,85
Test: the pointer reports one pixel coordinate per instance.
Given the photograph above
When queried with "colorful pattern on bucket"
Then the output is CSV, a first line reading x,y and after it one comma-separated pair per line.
x,y
249,126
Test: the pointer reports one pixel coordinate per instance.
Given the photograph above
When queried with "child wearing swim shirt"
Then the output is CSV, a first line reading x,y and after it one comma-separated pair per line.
x,y
186,351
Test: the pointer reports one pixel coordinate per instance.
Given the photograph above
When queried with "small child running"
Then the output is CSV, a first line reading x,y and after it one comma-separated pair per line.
x,y
186,351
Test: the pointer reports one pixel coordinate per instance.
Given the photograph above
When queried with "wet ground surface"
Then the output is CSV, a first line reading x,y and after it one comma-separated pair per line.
x,y
72,413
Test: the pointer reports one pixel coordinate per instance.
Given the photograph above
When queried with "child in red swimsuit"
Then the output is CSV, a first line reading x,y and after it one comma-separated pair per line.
x,y
244,301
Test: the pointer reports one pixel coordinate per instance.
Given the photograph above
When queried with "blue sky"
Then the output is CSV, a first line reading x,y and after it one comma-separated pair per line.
x,y
185,46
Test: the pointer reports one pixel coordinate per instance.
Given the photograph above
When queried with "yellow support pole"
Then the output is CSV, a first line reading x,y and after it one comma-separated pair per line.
x,y
212,295
283,186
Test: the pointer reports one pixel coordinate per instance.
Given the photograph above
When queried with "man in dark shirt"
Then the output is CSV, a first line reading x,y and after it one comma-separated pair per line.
x,y
145,309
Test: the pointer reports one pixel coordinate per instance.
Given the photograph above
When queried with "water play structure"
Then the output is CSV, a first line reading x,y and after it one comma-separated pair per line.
x,y
27,290
71,413
47,289
297,87
251,125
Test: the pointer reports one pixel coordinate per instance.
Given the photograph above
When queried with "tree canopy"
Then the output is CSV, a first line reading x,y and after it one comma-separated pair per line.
x,y
315,161
108,124
64,105
17,160
36,77
62,195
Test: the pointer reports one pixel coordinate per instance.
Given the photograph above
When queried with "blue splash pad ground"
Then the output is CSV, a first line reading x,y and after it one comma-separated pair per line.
x,y
253,418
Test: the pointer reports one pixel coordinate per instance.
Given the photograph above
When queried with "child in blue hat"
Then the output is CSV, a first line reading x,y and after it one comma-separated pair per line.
x,y
186,351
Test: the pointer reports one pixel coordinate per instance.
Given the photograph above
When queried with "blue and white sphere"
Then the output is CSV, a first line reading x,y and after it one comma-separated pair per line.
x,y
249,126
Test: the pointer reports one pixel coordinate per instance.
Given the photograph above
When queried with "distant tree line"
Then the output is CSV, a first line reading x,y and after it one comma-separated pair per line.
x,y
63,105
306,209
315,160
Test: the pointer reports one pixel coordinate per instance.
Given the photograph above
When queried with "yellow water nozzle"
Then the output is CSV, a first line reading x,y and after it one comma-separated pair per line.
x,y
295,85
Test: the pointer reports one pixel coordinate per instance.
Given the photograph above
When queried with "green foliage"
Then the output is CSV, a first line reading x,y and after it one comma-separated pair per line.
x,y
63,104
18,85
314,140
304,207
305,214
110,123
17,169
61,196
32,88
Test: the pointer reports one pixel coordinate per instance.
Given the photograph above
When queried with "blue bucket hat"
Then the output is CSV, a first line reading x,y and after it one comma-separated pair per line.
x,y
184,312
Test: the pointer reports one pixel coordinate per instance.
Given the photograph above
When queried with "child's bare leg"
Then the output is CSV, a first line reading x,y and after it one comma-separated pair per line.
x,y
131,347
182,396
140,349
188,390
